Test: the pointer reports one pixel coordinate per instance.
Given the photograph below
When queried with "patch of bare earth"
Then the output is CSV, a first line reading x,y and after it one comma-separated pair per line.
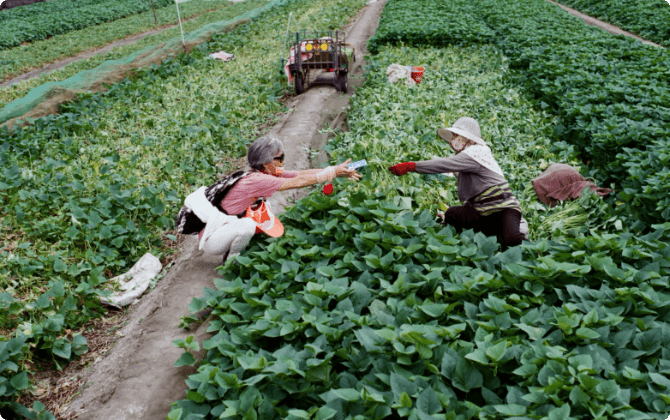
x,y
56,388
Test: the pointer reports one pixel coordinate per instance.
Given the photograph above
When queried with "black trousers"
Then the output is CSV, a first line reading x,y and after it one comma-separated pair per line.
x,y
503,224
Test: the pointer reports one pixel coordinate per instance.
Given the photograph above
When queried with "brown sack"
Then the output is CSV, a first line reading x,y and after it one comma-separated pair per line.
x,y
560,182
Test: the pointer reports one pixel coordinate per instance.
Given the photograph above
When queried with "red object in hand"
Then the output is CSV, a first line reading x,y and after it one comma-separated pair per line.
x,y
402,168
328,189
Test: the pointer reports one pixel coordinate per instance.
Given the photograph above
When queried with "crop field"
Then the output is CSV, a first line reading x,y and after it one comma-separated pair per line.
x,y
85,193
44,19
366,308
650,19
400,23
610,93
17,60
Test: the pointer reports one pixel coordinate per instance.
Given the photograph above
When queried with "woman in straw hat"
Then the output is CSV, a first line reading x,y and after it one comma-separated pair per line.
x,y
229,212
489,206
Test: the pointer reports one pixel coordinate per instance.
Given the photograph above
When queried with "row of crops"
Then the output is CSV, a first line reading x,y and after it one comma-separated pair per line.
x,y
36,54
44,19
195,14
610,93
85,193
399,24
367,309
649,19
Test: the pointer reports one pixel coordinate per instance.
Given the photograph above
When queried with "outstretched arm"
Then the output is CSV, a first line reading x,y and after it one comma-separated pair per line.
x,y
457,163
315,176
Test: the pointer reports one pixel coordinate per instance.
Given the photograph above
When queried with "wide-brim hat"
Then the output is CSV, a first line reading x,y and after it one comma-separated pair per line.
x,y
464,126
266,220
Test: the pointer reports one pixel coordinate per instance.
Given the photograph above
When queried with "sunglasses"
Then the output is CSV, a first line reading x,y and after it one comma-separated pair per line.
x,y
280,158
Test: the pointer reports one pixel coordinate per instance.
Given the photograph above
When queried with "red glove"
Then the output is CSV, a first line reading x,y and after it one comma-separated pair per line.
x,y
328,189
402,168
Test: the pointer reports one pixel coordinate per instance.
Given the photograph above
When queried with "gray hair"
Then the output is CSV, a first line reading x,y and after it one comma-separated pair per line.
x,y
263,151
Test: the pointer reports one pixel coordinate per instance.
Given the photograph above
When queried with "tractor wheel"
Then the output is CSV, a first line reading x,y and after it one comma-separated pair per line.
x,y
342,82
299,80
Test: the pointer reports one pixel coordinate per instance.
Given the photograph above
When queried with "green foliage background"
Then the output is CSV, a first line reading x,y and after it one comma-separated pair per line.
x,y
44,19
37,54
368,309
610,93
93,188
650,19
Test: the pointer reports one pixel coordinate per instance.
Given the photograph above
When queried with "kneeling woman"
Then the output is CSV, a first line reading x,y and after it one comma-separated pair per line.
x,y
229,212
489,206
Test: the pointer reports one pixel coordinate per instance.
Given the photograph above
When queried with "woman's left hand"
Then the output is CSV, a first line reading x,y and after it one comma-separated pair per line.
x,y
342,170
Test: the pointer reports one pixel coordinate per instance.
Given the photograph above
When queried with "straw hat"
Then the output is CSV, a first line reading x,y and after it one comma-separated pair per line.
x,y
466,127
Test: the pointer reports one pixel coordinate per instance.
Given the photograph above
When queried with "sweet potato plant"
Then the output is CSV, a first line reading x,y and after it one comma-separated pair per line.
x,y
45,19
86,192
366,308
610,93
650,19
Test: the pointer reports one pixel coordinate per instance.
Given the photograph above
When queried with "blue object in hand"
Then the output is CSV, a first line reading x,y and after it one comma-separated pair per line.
x,y
357,164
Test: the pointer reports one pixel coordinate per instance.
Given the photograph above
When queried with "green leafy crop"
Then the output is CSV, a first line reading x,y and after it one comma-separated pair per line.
x,y
609,92
429,22
367,309
650,19
44,19
86,192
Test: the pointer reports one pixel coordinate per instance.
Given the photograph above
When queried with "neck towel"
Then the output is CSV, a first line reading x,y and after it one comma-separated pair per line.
x,y
483,156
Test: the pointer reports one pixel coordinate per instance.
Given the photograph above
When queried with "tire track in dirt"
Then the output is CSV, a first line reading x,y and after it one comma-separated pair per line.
x,y
137,379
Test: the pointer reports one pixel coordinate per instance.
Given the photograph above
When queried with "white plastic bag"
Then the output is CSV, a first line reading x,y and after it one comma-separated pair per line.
x,y
395,72
222,55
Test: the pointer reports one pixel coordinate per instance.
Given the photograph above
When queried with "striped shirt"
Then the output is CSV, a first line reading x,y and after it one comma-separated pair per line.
x,y
486,190
496,198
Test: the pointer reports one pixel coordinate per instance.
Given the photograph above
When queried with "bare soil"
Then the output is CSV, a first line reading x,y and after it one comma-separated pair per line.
x,y
137,379
9,4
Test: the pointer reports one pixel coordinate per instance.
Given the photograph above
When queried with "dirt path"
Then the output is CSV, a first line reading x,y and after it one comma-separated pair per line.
x,y
137,379
604,25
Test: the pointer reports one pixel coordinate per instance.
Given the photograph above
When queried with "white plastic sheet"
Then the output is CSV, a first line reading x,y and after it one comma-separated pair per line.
x,y
135,281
